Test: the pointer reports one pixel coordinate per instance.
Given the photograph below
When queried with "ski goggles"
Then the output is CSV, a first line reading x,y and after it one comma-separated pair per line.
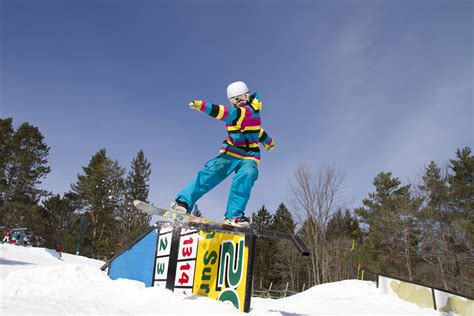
x,y
239,99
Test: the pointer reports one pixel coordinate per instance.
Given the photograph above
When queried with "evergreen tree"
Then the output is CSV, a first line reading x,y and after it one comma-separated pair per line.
x,y
435,214
286,259
436,189
336,226
23,163
264,247
283,220
448,221
461,181
138,178
461,225
434,218
392,231
6,156
262,220
343,225
58,220
133,221
100,192
342,233
461,198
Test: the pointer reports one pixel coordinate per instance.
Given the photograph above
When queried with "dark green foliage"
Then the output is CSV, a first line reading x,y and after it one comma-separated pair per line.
x,y
461,188
58,220
390,216
263,219
286,261
100,192
277,262
283,220
138,177
133,222
23,164
6,155
263,273
427,236
343,225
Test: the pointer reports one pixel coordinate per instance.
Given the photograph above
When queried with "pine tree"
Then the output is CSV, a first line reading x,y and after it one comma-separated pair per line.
x,y
58,220
100,193
23,163
343,225
336,226
392,230
461,226
461,198
342,232
435,187
461,181
6,156
133,221
448,224
434,218
262,220
137,180
286,260
283,220
264,248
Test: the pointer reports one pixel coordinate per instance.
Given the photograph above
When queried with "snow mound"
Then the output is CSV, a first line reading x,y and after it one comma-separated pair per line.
x,y
34,281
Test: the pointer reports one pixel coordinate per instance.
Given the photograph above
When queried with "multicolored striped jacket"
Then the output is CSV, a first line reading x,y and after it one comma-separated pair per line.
x,y
243,126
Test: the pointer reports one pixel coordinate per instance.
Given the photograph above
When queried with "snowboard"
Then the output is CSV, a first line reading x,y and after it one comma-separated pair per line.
x,y
170,214
205,224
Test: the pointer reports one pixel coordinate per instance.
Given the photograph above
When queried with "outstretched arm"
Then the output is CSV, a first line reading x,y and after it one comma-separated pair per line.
x,y
266,140
228,114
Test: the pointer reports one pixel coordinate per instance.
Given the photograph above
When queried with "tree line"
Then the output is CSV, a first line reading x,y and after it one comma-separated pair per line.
x,y
422,231
100,198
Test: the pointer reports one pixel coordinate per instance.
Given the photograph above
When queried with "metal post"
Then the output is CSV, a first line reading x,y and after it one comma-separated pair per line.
x,y
78,251
269,289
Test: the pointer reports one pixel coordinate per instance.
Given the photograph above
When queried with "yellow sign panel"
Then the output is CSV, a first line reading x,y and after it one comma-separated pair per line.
x,y
221,267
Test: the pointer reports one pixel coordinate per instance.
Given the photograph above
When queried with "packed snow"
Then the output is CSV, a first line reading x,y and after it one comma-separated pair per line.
x,y
36,281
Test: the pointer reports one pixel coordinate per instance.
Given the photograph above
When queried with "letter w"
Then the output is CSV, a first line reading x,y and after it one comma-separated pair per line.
x,y
160,268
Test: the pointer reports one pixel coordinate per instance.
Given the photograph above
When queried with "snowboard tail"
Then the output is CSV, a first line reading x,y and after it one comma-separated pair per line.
x,y
170,214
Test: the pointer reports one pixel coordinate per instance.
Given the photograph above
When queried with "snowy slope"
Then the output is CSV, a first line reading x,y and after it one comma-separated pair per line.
x,y
34,281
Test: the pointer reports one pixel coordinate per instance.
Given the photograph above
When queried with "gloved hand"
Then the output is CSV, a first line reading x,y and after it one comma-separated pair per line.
x,y
271,146
196,104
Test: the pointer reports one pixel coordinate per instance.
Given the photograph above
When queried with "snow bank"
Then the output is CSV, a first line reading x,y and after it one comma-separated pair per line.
x,y
350,297
34,281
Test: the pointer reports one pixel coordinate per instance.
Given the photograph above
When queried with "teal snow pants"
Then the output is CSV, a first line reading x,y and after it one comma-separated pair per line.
x,y
213,173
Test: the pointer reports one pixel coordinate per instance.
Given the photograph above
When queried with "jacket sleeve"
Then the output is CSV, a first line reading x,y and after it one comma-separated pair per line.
x,y
228,114
265,139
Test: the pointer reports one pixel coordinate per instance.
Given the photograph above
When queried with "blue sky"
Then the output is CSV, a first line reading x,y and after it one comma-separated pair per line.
x,y
366,86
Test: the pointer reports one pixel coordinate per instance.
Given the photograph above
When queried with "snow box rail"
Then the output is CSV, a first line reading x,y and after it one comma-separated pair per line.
x,y
196,258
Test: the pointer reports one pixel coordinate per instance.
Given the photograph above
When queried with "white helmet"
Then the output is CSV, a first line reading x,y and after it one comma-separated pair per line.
x,y
236,88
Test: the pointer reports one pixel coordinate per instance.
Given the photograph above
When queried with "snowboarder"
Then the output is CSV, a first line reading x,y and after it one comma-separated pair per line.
x,y
59,249
26,241
6,237
15,238
239,153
